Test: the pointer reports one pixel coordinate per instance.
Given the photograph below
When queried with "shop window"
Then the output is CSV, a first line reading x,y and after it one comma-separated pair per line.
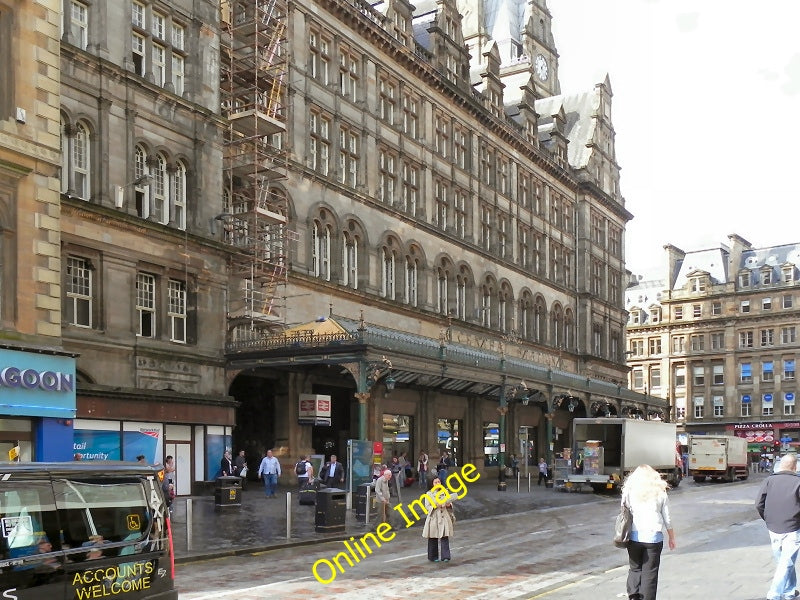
x,y
397,432
449,439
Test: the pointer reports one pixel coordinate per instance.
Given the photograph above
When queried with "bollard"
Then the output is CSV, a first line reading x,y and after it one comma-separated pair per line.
x,y
288,515
518,482
529,483
366,510
188,523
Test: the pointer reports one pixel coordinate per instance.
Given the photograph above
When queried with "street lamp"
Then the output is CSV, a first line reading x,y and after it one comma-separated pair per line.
x,y
519,392
370,373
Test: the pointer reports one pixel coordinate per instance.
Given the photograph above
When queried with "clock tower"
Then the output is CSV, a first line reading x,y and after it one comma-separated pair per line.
x,y
538,45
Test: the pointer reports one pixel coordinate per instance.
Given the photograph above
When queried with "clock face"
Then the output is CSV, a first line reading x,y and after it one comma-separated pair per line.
x,y
540,67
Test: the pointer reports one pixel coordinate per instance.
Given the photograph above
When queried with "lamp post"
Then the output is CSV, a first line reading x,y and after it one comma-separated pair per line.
x,y
369,373
520,389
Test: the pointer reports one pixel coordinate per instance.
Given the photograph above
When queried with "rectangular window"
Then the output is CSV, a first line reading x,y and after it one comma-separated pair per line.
x,y
680,376
745,339
319,143
615,241
746,373
638,378
767,405
697,311
655,315
766,304
787,273
348,73
387,178
655,346
523,247
178,73
767,373
697,284
787,301
768,337
460,148
655,378
746,409
319,55
718,374
744,279
137,15
744,306
716,308
718,340
766,276
387,100
348,156
679,344
699,376
79,292
678,313
440,198
79,24
137,54
718,403
441,135
158,25
410,188
159,64
146,305
410,112
179,196
460,213
698,342
637,347
178,36
177,311
486,228
788,369
699,408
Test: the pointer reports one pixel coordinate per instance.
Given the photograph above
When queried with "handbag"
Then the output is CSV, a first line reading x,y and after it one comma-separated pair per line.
x,y
243,472
623,526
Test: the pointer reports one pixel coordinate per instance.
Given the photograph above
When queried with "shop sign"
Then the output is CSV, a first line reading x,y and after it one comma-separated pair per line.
x,y
314,409
35,384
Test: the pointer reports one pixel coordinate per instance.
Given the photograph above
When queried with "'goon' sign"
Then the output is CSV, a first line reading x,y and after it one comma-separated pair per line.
x,y
37,384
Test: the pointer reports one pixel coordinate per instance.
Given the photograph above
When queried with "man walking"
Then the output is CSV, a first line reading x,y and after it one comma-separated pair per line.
x,y
542,471
333,473
382,495
269,470
303,470
778,503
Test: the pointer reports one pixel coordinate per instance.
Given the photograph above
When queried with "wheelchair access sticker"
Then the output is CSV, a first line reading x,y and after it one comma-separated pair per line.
x,y
134,522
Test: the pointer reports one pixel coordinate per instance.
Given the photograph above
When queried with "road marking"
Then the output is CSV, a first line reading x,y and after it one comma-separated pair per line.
x,y
221,594
405,557
542,531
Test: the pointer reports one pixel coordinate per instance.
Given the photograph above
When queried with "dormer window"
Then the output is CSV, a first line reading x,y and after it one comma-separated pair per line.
x,y
655,314
697,284
787,273
766,276
744,279
636,317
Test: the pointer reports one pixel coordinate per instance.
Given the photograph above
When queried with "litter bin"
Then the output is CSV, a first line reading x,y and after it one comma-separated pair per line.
x,y
228,492
330,512
361,502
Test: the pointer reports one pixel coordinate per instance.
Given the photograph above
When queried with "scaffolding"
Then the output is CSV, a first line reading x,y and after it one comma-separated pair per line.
x,y
253,97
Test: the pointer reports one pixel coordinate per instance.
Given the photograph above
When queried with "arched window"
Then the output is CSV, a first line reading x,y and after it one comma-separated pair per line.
x,y
557,330
486,305
442,291
161,190
141,189
461,296
539,321
505,308
179,195
388,279
350,260
64,158
81,161
526,316
411,283
321,250
569,330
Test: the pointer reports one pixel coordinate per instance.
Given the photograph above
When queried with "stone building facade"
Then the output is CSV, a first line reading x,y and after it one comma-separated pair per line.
x,y
36,374
456,216
717,337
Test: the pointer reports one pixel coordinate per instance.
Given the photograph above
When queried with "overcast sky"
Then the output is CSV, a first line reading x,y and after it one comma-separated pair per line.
x,y
706,111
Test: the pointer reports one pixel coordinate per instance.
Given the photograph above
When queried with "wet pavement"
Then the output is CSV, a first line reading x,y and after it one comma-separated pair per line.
x,y
261,523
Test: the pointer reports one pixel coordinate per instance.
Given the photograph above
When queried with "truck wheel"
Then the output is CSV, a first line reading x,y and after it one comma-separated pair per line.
x,y
699,478
731,475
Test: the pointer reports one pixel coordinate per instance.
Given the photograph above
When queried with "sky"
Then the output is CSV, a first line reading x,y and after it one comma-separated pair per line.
x,y
706,109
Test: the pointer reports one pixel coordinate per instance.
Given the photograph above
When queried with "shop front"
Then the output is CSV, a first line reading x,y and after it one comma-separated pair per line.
x,y
37,404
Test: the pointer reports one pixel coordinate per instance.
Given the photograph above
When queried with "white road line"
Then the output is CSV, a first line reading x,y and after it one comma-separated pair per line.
x,y
405,557
221,594
542,531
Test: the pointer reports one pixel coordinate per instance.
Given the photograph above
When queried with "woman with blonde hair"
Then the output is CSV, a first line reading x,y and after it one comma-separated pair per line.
x,y
645,493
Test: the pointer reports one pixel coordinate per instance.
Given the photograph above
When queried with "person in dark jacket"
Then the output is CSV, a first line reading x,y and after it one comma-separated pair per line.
x,y
778,503
333,473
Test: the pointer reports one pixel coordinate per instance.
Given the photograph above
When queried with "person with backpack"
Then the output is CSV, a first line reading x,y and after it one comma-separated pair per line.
x,y
303,470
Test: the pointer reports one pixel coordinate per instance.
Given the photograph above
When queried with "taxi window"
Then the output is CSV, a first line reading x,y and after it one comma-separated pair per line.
x,y
28,522
108,519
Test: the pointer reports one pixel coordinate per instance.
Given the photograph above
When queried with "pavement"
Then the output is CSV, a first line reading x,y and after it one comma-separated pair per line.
x,y
201,530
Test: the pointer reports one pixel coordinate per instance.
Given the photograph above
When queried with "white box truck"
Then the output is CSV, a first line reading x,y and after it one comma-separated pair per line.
x,y
615,446
718,457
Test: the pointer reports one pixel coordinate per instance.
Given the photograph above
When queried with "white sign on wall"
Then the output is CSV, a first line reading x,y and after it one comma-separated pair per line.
x,y
314,409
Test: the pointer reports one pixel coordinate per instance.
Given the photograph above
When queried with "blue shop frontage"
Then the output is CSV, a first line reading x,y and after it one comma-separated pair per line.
x,y
37,404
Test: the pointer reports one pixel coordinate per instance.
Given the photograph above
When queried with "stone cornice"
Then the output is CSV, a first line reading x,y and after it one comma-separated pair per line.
x,y
29,149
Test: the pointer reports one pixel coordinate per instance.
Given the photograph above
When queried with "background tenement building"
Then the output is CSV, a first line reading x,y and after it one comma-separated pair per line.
x,y
716,335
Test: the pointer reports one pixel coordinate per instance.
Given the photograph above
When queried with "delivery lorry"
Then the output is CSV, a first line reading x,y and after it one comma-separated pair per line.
x,y
606,449
718,457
